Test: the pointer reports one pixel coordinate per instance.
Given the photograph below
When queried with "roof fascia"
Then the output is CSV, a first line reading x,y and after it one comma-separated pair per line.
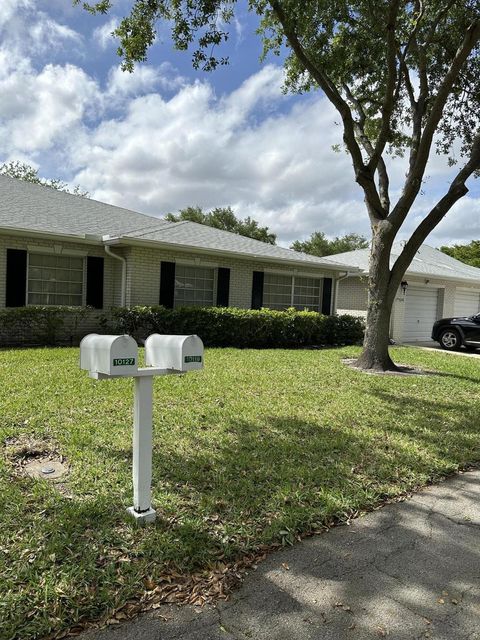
x,y
433,276
51,235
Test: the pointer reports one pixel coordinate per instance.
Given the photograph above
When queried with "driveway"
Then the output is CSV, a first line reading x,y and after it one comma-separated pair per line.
x,y
434,346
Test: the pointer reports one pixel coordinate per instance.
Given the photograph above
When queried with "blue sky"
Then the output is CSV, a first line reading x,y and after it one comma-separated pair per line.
x,y
168,136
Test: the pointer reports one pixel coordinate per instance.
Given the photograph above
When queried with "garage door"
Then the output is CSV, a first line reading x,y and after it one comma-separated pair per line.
x,y
421,305
466,302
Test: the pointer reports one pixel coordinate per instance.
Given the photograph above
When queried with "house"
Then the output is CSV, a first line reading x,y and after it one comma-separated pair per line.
x,y
61,249
434,286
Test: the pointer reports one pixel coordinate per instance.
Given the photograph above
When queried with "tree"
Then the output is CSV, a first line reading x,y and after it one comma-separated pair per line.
x,y
319,245
403,77
224,218
467,253
23,171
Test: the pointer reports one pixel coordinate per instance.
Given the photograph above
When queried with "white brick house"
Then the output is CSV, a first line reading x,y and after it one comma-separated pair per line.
x,y
434,286
61,249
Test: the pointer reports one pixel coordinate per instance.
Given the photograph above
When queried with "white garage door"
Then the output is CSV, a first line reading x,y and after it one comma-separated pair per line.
x,y
420,313
466,302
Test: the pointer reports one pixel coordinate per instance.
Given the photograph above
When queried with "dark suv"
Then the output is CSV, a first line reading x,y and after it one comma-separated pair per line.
x,y
452,333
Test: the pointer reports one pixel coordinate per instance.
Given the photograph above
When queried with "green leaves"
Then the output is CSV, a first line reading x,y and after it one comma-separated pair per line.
x,y
319,245
243,328
225,219
24,171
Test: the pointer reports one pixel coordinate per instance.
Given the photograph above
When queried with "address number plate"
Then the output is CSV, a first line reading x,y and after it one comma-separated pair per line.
x,y
122,362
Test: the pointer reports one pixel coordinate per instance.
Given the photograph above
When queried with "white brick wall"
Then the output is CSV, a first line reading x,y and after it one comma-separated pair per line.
x,y
111,281
112,278
352,298
143,273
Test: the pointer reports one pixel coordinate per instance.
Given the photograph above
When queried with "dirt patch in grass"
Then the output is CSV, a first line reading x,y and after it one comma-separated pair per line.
x,y
28,455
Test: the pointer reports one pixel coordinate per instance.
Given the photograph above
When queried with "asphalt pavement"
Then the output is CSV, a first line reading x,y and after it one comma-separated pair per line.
x,y
410,570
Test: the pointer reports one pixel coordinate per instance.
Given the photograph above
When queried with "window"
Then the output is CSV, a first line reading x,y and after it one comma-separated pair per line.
x,y
306,294
281,292
194,286
277,291
55,280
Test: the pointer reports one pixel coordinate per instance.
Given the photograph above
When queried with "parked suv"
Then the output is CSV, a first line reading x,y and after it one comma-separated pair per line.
x,y
452,333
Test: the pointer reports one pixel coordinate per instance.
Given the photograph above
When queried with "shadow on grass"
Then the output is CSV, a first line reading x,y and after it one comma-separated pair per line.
x,y
257,483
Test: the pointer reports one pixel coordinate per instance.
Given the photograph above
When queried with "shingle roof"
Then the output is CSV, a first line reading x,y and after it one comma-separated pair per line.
x,y
37,208
427,262
203,237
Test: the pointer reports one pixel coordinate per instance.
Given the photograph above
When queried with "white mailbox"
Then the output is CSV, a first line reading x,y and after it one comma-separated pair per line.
x,y
112,355
180,353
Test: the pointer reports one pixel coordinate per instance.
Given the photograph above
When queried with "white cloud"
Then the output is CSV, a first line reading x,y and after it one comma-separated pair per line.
x,y
103,35
39,110
25,29
46,34
154,142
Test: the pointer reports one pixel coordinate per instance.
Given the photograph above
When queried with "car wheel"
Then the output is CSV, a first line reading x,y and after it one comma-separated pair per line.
x,y
450,340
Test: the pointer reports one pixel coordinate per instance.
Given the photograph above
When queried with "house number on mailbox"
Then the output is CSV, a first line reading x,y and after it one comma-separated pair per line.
x,y
121,362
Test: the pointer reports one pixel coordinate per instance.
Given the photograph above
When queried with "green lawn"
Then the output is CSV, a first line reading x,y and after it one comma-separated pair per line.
x,y
259,447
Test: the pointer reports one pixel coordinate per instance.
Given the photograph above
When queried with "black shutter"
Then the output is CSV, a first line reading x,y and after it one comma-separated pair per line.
x,y
16,281
167,284
257,290
95,269
327,296
223,286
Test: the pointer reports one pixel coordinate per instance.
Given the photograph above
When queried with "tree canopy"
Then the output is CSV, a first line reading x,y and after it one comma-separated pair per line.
x,y
24,171
402,76
319,245
467,253
224,218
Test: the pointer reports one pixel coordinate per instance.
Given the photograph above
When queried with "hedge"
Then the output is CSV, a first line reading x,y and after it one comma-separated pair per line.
x,y
41,325
243,328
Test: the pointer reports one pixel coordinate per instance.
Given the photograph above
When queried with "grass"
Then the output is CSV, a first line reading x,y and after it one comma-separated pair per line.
x,y
258,448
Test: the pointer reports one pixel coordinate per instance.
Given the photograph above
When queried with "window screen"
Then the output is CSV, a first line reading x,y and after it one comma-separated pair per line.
x,y
55,280
194,286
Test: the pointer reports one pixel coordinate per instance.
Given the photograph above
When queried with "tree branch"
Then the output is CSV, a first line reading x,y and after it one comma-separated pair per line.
x,y
420,157
389,100
383,179
363,174
456,191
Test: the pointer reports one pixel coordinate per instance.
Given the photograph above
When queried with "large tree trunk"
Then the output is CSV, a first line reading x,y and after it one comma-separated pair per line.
x,y
381,294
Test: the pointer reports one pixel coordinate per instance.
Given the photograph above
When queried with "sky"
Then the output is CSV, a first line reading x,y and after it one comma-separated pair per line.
x,y
166,136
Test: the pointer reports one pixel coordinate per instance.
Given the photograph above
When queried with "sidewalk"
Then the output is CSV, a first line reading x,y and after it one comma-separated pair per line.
x,y
408,571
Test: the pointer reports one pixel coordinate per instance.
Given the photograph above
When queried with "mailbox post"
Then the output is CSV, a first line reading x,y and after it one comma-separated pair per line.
x,y
107,357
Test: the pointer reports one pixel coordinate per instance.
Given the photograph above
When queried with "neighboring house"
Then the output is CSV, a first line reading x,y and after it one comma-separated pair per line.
x,y
61,249
434,286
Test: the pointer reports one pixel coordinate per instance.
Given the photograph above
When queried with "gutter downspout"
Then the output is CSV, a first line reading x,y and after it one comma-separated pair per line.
x,y
124,273
337,280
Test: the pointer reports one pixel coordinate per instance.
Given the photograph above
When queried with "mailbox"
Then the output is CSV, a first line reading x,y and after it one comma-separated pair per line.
x,y
180,353
112,355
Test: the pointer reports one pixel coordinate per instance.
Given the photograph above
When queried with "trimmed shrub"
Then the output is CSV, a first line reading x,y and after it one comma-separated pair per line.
x,y
243,328
38,325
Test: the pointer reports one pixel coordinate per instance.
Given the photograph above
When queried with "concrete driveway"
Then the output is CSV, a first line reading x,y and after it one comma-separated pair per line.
x,y
408,571
434,346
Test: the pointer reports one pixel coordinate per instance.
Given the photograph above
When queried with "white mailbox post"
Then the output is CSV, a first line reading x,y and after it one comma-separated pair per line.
x,y
117,356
